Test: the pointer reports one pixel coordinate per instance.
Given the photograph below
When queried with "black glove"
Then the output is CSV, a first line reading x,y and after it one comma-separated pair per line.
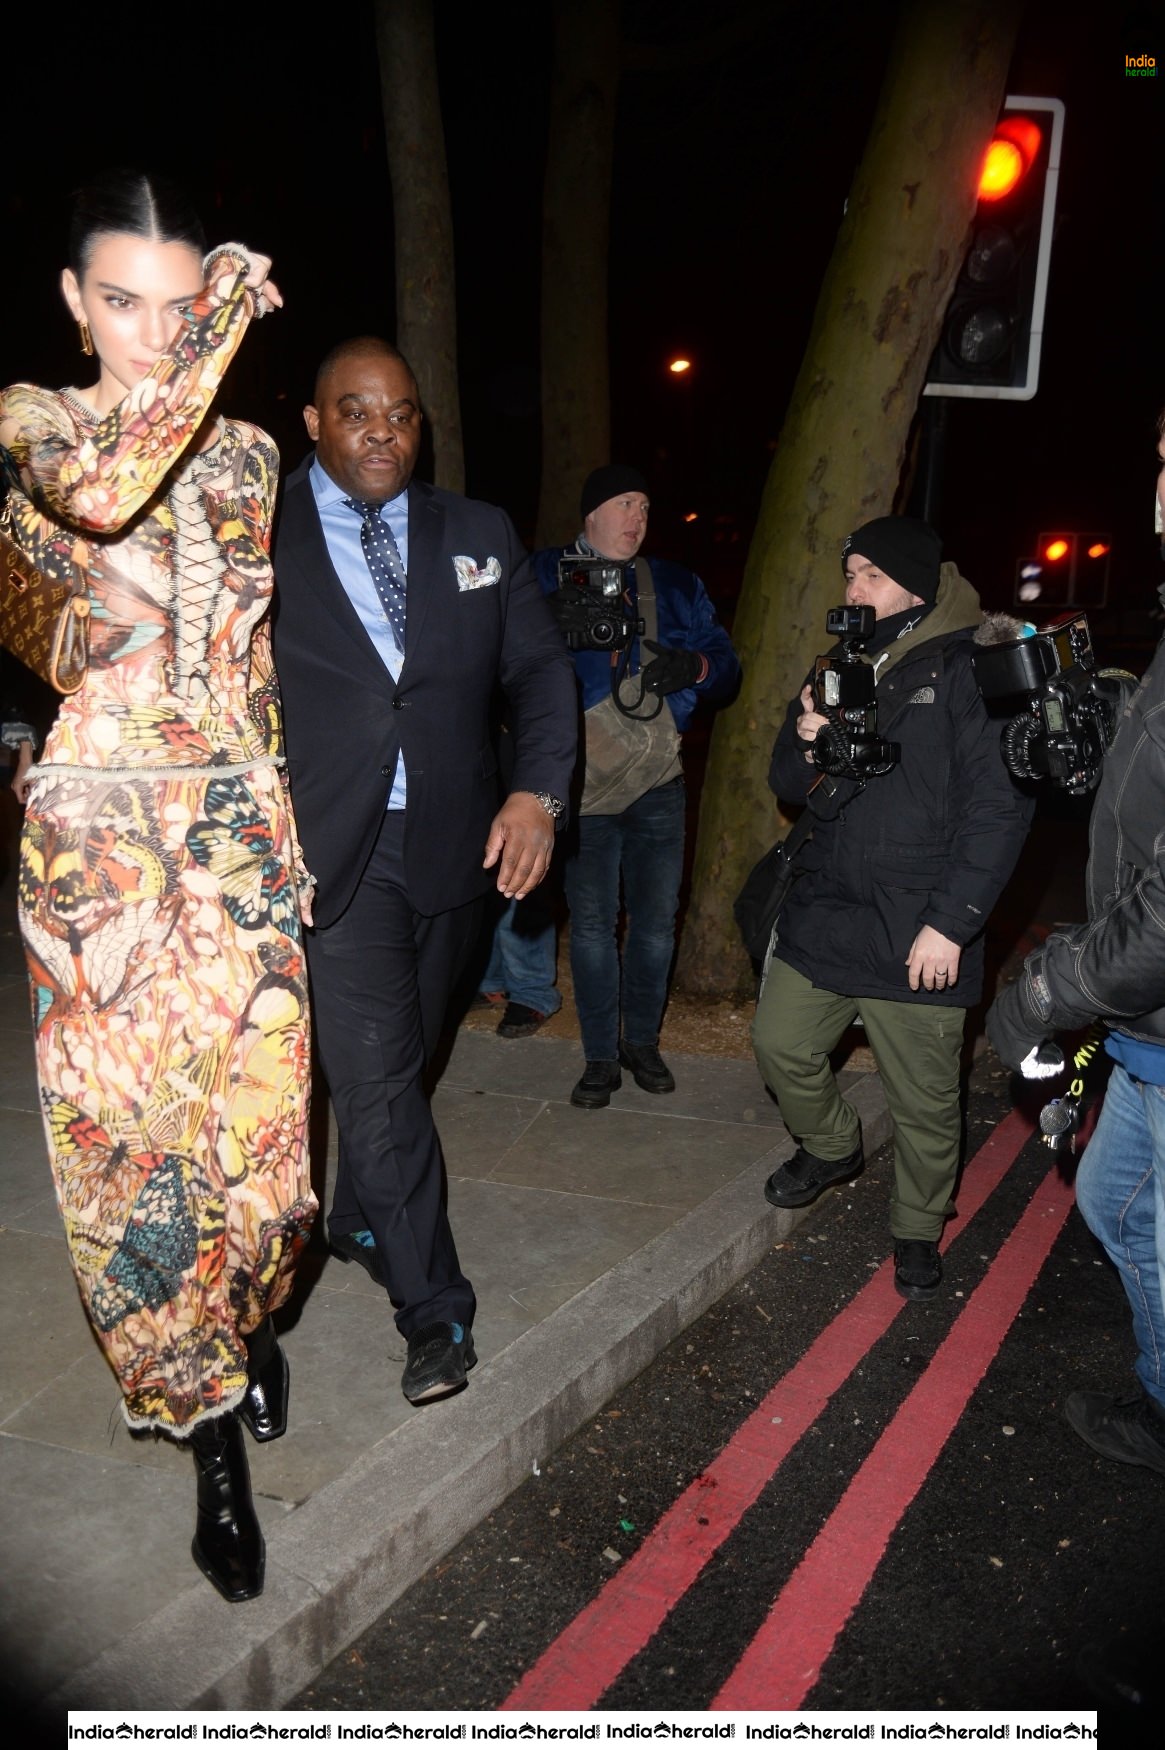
x,y
1016,1029
572,609
672,670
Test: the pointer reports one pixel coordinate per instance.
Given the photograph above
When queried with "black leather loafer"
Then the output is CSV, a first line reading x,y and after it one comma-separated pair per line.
x,y
353,1251
440,1356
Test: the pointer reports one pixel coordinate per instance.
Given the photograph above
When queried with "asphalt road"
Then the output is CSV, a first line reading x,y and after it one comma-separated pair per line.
x,y
936,1537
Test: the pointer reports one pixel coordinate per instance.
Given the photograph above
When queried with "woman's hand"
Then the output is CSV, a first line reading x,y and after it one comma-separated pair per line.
x,y
20,783
305,888
267,295
256,274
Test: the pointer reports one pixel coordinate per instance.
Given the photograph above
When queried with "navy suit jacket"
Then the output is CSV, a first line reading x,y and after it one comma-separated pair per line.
x,y
345,720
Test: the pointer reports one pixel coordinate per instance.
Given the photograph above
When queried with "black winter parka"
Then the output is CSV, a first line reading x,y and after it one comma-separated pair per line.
x,y
933,841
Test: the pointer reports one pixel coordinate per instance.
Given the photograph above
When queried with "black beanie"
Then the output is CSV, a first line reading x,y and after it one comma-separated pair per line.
x,y
604,483
907,550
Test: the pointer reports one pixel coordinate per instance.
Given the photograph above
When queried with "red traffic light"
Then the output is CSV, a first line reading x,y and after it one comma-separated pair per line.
x,y
1070,567
992,330
1009,157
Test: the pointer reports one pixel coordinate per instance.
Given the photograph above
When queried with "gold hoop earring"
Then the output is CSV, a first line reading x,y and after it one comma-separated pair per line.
x,y
86,337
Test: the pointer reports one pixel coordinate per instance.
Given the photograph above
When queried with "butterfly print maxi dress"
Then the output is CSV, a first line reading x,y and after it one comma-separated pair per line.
x,y
157,890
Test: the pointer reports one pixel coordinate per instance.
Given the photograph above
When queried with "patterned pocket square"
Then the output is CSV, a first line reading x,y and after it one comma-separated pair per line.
x,y
472,576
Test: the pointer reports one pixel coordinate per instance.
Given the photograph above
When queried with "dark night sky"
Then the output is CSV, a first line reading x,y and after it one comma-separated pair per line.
x,y
730,178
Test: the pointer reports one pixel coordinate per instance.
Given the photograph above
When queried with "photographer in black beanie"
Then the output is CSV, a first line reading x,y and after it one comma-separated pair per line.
x,y
884,923
627,843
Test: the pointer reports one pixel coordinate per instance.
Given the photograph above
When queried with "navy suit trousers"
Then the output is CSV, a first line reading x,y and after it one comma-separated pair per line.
x,y
381,979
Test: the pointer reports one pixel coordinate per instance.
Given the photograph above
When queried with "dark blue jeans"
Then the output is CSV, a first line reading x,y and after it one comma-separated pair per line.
x,y
1120,1191
644,846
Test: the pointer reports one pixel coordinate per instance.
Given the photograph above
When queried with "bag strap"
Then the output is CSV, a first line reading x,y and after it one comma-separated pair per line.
x,y
645,592
802,828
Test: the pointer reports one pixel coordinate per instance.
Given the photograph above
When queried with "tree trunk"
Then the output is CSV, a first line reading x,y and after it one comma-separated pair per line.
x,y
576,220
901,244
426,296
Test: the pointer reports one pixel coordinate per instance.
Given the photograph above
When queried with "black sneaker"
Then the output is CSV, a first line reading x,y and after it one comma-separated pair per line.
x,y
647,1066
519,1021
1124,1675
439,1358
1131,1430
918,1269
803,1179
597,1083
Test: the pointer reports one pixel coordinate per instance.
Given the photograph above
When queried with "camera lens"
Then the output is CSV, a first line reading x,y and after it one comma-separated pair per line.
x,y
602,633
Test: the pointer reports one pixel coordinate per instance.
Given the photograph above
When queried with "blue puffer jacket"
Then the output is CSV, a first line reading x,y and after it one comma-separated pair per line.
x,y
687,621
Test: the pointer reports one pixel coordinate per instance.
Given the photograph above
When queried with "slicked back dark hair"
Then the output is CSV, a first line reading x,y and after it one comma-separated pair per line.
x,y
131,203
360,346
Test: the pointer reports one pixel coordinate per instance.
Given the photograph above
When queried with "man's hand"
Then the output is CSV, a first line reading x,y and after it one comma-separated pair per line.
x,y
933,961
1018,1033
522,835
810,721
672,670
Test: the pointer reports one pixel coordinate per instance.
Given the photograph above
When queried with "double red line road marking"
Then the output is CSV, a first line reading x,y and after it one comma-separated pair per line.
x,y
784,1660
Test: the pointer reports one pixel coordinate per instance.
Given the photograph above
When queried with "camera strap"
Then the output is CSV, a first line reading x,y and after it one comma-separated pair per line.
x,y
628,753
621,660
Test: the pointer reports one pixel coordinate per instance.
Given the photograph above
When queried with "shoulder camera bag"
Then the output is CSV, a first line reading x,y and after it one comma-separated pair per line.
x,y
628,756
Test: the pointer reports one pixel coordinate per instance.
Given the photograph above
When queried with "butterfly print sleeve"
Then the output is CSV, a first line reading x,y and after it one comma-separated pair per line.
x,y
101,481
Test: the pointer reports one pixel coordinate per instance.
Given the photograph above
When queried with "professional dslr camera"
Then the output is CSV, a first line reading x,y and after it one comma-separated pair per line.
x,y
592,594
849,745
1071,706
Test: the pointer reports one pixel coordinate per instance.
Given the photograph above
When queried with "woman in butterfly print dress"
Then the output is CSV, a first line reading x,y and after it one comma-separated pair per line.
x,y
158,892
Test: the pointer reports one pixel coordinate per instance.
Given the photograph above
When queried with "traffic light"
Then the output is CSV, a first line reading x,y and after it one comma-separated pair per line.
x,y
1068,569
1054,561
1090,584
989,346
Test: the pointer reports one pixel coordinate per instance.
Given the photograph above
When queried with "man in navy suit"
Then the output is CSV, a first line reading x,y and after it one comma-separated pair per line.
x,y
400,608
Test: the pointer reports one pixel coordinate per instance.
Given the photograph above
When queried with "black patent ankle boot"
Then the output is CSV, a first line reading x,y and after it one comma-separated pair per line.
x,y
264,1408
228,1544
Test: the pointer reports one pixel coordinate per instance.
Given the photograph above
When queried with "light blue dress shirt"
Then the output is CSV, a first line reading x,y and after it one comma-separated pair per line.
x,y
341,526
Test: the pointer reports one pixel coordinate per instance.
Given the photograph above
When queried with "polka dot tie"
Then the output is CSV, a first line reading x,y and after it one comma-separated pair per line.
x,y
384,564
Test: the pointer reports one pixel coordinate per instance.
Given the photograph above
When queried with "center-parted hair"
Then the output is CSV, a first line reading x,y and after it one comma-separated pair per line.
x,y
132,203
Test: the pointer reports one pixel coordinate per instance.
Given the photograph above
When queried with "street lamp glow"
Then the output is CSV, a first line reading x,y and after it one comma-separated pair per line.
x,y
677,367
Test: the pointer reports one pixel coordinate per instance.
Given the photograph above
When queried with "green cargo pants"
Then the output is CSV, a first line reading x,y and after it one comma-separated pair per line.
x,y
917,1047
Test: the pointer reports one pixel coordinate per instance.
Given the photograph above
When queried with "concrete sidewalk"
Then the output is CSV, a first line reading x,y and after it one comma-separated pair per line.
x,y
592,1238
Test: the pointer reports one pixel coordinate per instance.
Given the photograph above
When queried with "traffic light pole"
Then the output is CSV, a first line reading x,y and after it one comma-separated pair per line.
x,y
924,498
934,446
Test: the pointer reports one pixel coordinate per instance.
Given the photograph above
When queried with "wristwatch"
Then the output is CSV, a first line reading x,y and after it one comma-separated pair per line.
x,y
554,805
